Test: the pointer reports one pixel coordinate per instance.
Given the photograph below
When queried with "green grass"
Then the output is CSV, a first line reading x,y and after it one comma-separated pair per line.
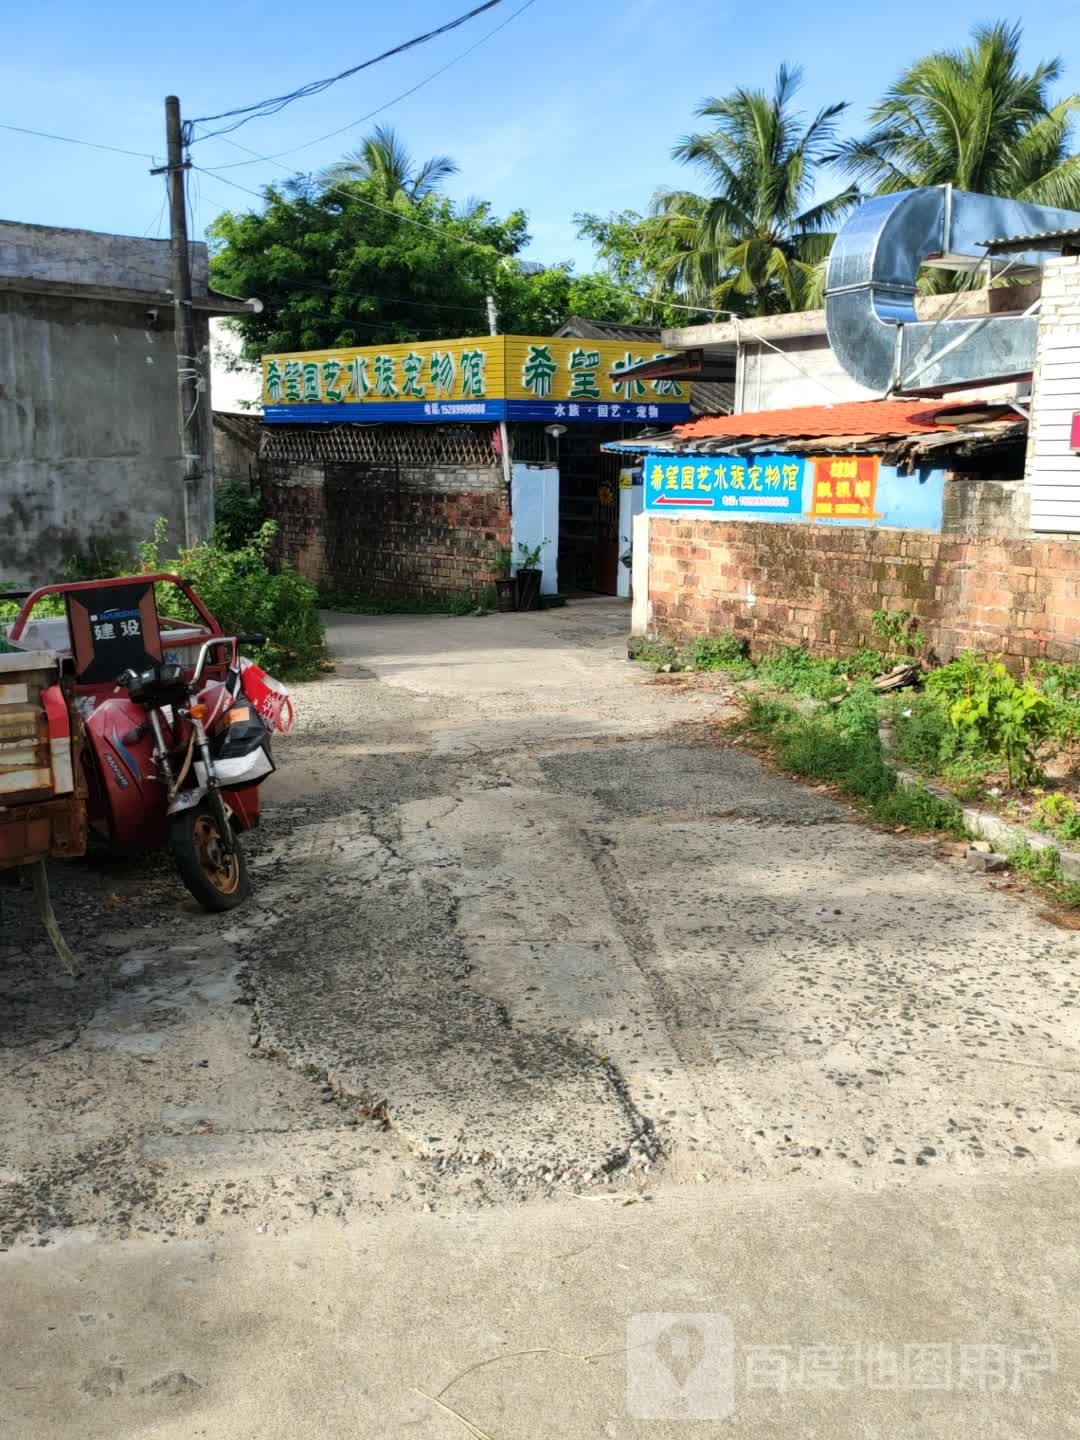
x,y
846,752
1043,868
724,652
794,669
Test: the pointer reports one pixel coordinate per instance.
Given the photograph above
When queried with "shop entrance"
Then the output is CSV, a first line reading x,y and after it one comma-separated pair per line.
x,y
592,533
588,512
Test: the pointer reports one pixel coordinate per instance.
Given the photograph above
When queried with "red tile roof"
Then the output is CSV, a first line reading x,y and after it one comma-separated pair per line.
x,y
854,417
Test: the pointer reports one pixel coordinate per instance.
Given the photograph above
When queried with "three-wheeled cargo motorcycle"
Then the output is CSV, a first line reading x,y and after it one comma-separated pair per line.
x,y
174,723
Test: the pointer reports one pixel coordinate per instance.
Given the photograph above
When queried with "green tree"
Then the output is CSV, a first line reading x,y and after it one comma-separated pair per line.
x,y
384,160
756,242
537,303
975,119
635,250
345,267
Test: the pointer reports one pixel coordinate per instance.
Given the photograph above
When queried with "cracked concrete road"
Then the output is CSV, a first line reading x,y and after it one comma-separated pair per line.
x,y
551,1009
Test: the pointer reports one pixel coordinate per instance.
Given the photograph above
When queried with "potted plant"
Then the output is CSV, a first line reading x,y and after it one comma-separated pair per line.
x,y
505,584
529,576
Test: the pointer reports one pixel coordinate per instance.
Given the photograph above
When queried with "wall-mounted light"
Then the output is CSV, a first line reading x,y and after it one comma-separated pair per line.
x,y
554,434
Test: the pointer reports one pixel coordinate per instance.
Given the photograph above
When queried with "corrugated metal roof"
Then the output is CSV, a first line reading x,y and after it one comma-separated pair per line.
x,y
1039,240
902,429
578,327
712,397
855,417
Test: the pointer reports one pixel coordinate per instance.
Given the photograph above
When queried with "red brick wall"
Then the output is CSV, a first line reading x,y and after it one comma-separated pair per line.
x,y
820,585
406,534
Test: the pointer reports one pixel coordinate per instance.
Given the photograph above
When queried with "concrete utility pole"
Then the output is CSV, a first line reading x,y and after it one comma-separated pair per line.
x,y
504,431
187,369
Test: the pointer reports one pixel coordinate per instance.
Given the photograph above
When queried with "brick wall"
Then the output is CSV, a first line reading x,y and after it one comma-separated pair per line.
x,y
385,531
774,583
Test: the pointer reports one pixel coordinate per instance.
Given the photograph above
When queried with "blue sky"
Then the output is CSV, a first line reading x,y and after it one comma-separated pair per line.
x,y
571,107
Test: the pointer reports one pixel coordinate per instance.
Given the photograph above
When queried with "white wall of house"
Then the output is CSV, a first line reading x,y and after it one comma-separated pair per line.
x,y
785,374
1052,475
235,384
535,511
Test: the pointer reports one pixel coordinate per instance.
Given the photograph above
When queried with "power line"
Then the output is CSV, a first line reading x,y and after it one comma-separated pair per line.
x,y
330,135
244,113
474,310
72,140
155,225
434,230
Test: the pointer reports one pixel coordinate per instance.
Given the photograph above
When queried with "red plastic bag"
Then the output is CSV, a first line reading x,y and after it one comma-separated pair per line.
x,y
268,695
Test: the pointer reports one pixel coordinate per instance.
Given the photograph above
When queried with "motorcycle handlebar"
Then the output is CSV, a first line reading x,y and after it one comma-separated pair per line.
x,y
205,653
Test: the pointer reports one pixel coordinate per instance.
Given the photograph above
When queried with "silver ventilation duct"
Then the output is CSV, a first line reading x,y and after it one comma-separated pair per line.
x,y
870,291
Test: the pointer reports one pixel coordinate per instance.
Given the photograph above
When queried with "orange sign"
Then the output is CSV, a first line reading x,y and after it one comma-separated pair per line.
x,y
845,488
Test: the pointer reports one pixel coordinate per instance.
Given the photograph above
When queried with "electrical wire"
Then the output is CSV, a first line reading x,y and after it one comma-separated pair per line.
x,y
434,230
72,140
155,225
332,134
244,113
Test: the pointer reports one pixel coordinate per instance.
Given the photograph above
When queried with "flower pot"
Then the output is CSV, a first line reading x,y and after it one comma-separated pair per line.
x,y
505,594
528,589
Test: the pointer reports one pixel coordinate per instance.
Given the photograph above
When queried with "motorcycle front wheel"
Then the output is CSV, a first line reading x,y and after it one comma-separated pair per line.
x,y
217,877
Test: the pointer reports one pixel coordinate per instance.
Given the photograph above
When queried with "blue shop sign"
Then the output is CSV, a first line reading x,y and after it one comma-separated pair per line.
x,y
764,486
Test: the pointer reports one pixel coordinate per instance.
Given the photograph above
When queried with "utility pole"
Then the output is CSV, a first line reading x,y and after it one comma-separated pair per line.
x,y
187,369
504,432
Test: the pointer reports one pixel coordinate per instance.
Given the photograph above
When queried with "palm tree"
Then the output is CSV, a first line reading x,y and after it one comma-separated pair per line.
x,y
383,158
756,243
974,119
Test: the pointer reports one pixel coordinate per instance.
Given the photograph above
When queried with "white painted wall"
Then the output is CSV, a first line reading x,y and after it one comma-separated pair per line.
x,y
800,371
1053,468
640,610
631,503
535,506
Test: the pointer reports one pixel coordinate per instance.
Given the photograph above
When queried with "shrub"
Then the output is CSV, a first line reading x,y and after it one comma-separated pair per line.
x,y
960,677
1009,717
242,592
993,713
1061,686
239,516
899,632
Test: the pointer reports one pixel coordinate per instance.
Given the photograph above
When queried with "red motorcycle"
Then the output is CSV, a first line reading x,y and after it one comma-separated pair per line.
x,y
177,724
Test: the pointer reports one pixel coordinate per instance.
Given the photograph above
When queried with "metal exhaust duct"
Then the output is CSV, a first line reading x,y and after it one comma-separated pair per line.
x,y
870,290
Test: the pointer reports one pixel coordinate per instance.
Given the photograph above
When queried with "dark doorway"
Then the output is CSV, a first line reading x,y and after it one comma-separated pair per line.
x,y
588,511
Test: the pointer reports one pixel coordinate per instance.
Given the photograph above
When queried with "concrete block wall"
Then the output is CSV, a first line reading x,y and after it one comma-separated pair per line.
x,y
89,443
410,533
89,257
819,586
